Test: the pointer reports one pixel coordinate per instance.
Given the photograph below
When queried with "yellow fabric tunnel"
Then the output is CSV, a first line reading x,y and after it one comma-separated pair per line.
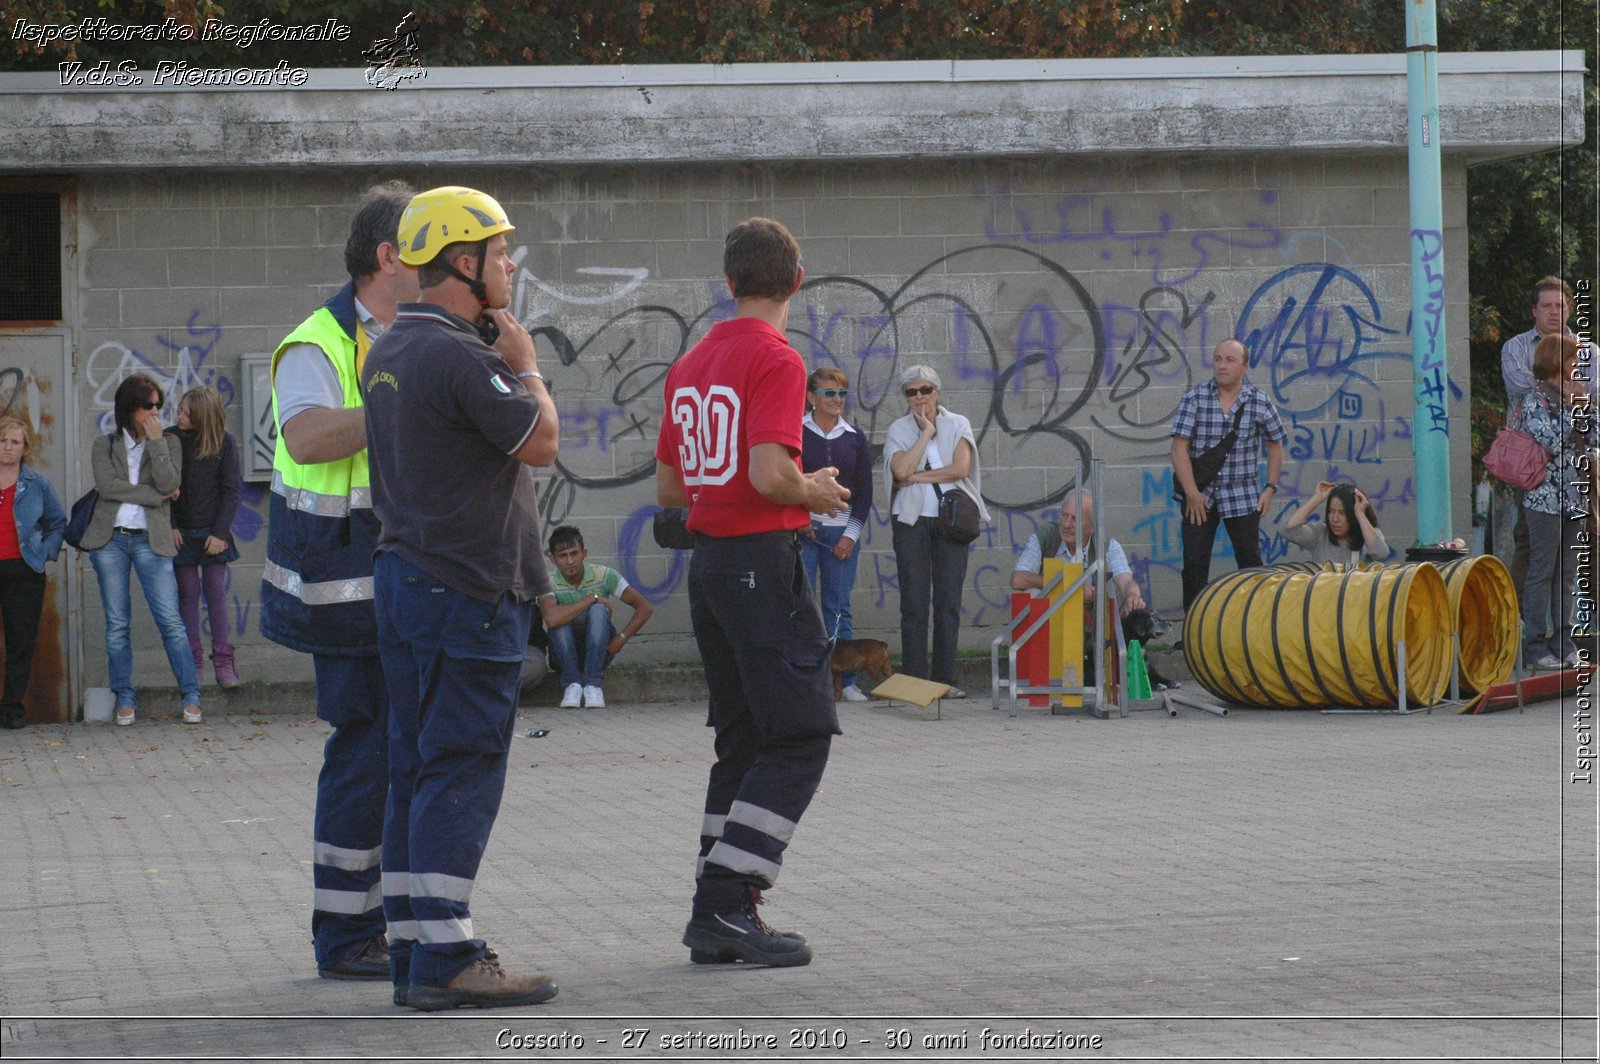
x,y
1483,601
1293,638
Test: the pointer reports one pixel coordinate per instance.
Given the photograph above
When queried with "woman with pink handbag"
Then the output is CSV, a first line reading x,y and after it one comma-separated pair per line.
x,y
1557,414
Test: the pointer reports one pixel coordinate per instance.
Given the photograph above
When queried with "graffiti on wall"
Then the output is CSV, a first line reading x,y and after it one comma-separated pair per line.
x,y
1038,363
1117,236
1011,319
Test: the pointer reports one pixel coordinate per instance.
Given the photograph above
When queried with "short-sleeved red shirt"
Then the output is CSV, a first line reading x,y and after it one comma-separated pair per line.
x,y
741,386
10,546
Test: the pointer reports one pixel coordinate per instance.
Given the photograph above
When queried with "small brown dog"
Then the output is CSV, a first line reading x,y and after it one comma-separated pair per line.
x,y
870,656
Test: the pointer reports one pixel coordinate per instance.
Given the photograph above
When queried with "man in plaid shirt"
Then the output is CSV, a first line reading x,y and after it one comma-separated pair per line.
x,y
1205,416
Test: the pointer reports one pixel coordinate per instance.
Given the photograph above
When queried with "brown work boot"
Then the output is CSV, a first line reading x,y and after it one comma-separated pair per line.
x,y
483,984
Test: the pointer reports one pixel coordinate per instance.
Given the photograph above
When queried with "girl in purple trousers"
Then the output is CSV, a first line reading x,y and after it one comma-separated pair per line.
x,y
202,526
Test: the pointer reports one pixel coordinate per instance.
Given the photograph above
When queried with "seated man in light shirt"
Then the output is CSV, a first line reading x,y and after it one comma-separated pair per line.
x,y
1062,541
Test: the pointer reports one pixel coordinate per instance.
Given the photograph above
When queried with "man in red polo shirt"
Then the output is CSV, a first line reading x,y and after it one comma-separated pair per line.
x,y
729,450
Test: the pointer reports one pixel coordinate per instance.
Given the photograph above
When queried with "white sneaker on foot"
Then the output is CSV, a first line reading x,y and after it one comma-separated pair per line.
x,y
594,698
572,697
1548,662
854,694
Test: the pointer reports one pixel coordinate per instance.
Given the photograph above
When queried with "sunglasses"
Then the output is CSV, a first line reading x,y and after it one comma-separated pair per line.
x,y
150,406
833,393
926,389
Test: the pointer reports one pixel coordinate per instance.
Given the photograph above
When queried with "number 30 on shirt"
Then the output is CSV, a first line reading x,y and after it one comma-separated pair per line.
x,y
708,434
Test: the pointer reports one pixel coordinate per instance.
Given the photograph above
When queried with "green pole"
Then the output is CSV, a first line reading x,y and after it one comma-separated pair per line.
x,y
1430,425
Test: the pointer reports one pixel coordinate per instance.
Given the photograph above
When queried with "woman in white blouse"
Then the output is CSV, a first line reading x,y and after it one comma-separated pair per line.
x,y
929,451
138,470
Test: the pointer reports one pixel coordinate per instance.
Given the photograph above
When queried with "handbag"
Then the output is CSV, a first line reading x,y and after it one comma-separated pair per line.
x,y
1205,466
83,511
82,514
1516,459
958,519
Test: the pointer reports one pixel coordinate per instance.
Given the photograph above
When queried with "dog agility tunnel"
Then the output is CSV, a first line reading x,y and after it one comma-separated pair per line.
x,y
1292,638
1483,601
1484,609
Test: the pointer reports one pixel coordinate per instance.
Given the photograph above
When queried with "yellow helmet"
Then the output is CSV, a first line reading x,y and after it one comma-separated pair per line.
x,y
447,215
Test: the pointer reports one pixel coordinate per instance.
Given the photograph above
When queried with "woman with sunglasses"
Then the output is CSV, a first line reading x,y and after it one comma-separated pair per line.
x,y
137,471
830,440
927,452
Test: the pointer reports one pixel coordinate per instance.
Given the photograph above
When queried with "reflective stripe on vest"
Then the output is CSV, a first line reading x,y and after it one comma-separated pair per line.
x,y
316,587
311,502
326,593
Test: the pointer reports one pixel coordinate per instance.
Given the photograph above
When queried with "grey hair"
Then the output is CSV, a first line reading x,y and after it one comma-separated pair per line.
x,y
1068,501
912,374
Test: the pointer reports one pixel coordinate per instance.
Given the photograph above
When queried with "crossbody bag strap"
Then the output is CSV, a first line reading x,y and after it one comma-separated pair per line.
x,y
1238,416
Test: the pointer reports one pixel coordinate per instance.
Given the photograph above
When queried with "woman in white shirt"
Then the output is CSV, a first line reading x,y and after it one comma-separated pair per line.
x,y
929,451
137,471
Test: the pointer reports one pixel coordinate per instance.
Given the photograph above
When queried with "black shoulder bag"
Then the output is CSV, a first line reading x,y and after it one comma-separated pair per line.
x,y
83,509
1208,463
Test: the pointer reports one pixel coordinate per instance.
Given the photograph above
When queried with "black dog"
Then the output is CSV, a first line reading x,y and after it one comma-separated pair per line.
x,y
1141,625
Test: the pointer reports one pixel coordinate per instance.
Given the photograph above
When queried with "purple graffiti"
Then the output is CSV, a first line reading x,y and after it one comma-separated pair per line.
x,y
1086,219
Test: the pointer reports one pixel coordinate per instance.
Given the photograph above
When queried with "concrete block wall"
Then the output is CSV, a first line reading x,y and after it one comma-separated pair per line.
x,y
1067,304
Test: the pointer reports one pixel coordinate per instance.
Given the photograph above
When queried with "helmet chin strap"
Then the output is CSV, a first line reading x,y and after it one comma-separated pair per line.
x,y
486,326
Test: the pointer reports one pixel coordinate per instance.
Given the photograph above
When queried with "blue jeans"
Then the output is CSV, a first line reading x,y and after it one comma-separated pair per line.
x,y
590,631
838,579
111,565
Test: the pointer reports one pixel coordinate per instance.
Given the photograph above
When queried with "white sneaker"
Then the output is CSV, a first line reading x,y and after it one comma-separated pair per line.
x,y
854,694
593,697
955,692
1575,660
1549,662
572,698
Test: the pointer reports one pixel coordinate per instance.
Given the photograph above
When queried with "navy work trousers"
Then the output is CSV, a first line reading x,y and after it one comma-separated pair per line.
x,y
451,662
771,703
351,791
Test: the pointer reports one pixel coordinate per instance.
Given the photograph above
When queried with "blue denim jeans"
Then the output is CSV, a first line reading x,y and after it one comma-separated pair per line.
x,y
112,564
591,632
838,579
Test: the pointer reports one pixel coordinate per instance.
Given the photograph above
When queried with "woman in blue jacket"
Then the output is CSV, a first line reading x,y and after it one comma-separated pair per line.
x,y
31,526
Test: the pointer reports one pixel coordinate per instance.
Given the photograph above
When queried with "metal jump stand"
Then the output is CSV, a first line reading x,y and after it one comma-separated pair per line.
x,y
1024,628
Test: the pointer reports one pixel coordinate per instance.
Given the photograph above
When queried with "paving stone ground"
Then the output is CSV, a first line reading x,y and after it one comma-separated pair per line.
x,y
1265,886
